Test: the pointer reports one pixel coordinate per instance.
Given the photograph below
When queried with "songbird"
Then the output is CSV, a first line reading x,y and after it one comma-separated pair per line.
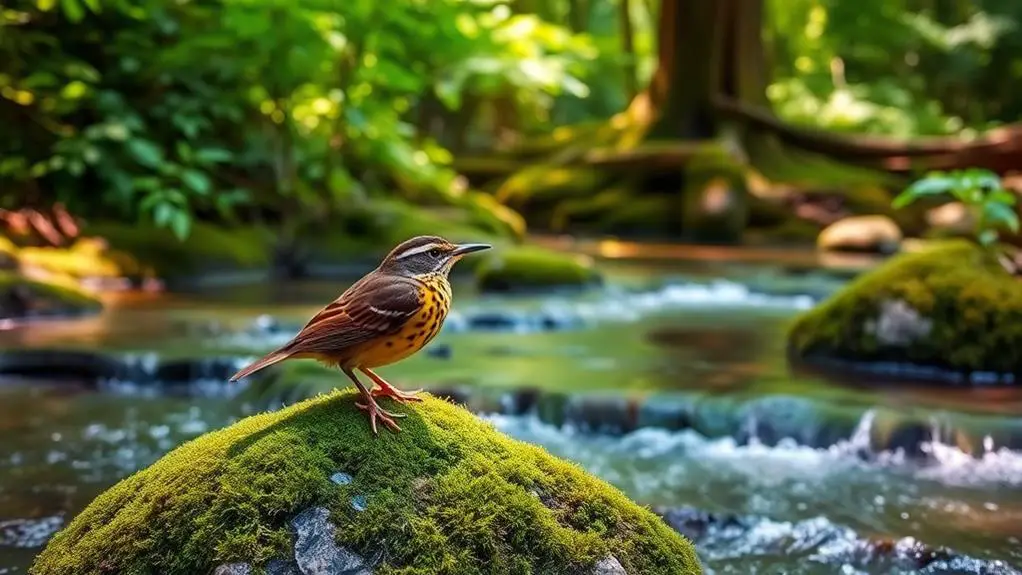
x,y
388,315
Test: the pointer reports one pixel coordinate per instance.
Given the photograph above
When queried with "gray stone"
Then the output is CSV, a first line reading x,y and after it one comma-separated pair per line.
x,y
341,478
281,567
316,552
609,565
233,569
359,503
899,324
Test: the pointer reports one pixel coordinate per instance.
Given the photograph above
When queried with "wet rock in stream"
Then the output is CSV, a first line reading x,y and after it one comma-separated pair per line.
x,y
725,535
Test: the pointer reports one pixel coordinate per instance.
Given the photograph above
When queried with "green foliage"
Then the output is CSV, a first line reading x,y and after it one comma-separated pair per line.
x,y
448,494
164,111
971,305
910,68
991,205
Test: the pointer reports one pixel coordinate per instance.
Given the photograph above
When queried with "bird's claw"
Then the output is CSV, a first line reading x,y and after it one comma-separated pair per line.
x,y
376,412
396,394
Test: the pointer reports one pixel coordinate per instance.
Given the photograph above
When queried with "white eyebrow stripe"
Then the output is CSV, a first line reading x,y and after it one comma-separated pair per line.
x,y
416,250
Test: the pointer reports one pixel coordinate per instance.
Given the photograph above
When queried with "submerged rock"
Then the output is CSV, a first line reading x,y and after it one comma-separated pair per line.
x,y
950,307
447,491
529,268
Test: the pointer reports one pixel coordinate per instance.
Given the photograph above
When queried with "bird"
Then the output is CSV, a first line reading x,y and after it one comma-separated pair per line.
x,y
386,316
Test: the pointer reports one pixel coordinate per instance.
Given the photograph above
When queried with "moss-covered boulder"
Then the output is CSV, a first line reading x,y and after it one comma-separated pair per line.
x,y
309,487
531,268
24,298
207,249
950,306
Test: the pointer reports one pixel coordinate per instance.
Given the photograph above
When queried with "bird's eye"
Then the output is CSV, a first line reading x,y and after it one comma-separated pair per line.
x,y
435,252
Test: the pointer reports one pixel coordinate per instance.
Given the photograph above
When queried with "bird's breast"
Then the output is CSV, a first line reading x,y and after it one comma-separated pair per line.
x,y
414,334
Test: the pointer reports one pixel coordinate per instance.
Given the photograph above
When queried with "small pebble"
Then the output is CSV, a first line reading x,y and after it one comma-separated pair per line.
x,y
359,503
341,478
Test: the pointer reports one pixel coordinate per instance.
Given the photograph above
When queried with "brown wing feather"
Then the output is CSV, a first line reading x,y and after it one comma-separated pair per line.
x,y
375,308
375,305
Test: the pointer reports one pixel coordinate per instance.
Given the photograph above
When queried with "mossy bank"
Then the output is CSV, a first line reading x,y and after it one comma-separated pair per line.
x,y
951,306
448,495
532,268
24,298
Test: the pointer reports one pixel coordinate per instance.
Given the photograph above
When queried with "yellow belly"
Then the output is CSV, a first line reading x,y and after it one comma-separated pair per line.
x,y
413,336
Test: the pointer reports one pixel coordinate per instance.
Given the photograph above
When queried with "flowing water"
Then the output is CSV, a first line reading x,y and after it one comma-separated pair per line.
x,y
908,467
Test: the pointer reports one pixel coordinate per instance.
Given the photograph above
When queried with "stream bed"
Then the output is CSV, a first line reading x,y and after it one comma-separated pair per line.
x,y
671,383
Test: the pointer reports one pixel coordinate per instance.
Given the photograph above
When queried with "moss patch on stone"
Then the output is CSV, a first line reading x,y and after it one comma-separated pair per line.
x,y
21,297
207,248
950,306
529,268
449,494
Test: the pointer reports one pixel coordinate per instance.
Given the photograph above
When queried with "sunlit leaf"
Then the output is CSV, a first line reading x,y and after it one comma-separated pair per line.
x,y
988,237
213,155
72,9
197,181
145,152
181,224
1001,215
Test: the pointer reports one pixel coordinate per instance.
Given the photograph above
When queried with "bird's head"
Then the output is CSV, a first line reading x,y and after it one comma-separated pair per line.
x,y
427,255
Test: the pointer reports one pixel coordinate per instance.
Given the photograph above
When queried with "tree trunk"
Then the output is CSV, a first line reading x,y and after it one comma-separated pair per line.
x,y
578,15
628,47
705,49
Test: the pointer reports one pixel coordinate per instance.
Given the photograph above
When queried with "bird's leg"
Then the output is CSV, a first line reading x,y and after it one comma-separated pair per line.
x,y
369,406
385,389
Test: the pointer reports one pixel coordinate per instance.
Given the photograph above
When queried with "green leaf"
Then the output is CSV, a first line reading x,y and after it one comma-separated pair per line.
x,y
1002,196
145,152
162,211
94,5
73,10
197,181
181,224
1000,215
213,155
903,199
987,237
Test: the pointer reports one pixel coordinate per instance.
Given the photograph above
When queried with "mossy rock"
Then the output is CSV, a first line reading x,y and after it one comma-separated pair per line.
x,y
22,298
951,306
531,268
447,495
207,248
368,235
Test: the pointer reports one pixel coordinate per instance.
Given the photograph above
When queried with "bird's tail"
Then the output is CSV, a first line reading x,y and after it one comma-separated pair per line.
x,y
265,361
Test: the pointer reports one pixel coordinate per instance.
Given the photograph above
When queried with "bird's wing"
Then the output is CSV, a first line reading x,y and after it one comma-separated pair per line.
x,y
371,309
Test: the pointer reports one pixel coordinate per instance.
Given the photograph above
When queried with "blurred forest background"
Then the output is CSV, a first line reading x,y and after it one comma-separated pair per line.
x,y
666,118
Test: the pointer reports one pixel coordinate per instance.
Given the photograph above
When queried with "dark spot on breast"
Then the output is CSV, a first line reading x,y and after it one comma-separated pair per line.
x,y
421,324
390,344
411,337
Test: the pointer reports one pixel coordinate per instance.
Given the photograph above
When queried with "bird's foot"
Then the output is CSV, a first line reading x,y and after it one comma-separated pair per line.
x,y
376,412
384,389
396,394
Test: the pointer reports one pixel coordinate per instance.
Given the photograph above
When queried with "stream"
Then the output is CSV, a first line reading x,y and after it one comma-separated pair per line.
x,y
670,382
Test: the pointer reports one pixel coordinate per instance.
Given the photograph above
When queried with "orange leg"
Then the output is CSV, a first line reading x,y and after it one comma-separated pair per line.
x,y
385,389
369,405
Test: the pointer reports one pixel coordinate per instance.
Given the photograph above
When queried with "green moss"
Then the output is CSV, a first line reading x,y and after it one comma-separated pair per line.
x,y
207,247
449,494
972,306
524,268
372,232
20,296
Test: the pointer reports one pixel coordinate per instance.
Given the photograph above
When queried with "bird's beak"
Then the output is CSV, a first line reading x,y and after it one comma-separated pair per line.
x,y
464,249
